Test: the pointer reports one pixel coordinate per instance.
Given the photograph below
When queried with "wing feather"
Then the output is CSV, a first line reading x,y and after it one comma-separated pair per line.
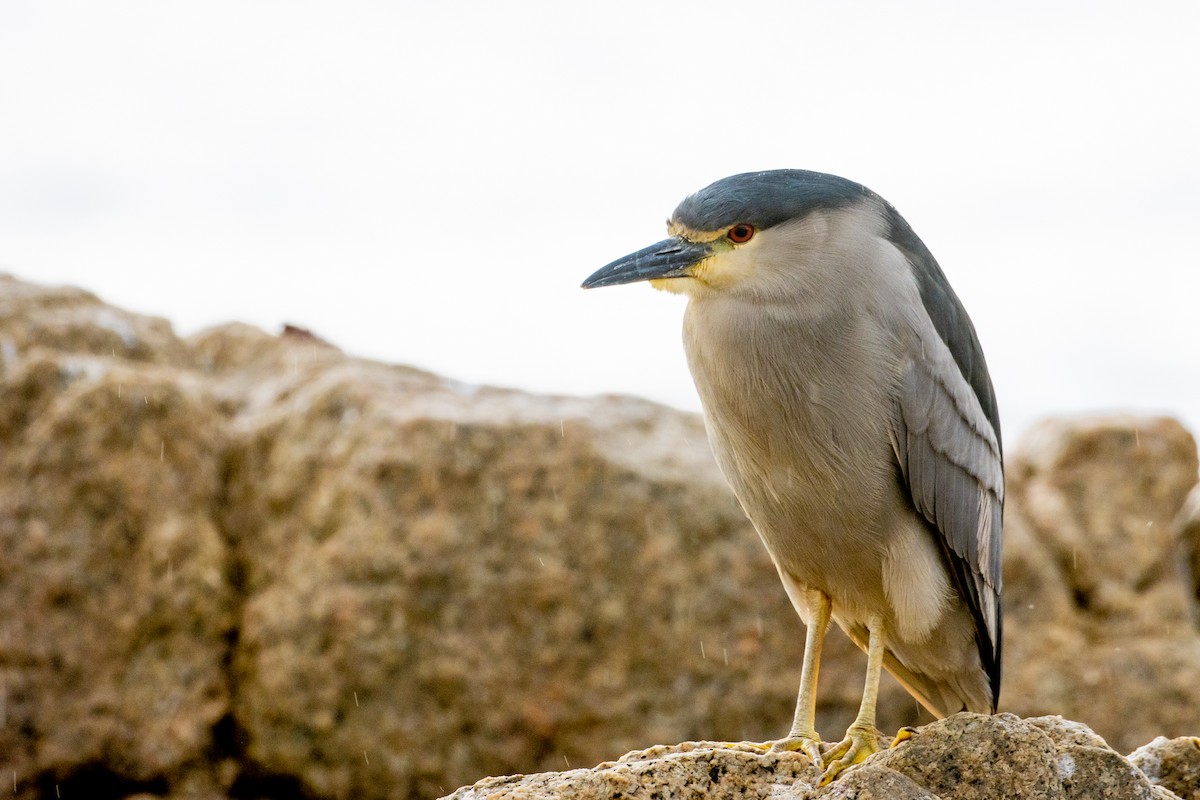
x,y
947,442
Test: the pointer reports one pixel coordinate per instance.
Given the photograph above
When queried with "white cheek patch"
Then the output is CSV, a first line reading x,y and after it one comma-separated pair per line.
x,y
726,269
688,286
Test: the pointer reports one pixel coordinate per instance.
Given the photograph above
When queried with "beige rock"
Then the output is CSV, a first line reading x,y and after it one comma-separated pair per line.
x,y
873,782
1101,495
965,757
1187,525
689,771
70,320
1100,621
115,606
973,756
1173,764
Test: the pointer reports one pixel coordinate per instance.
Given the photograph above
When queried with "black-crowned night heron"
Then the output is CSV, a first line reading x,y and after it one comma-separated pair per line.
x,y
848,404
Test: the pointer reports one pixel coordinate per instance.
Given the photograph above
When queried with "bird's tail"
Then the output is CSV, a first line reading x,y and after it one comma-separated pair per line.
x,y
945,694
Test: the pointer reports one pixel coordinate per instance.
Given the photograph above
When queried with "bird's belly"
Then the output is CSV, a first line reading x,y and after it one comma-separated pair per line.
x,y
834,527
833,559
805,442
823,521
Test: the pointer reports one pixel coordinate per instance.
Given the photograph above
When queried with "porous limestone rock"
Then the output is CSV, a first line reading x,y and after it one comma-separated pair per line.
x,y
688,771
1187,525
1173,764
965,757
64,319
115,604
1100,622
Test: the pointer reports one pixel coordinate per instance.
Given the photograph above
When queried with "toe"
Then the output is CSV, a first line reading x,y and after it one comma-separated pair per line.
x,y
808,745
762,748
859,745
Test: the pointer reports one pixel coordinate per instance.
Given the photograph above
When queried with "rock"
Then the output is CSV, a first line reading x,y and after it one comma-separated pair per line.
x,y
870,782
1102,495
965,757
115,604
689,771
973,756
1094,597
70,320
1173,764
1187,525
248,565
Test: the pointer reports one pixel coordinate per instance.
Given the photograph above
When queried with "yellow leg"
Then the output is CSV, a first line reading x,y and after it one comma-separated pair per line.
x,y
803,736
863,738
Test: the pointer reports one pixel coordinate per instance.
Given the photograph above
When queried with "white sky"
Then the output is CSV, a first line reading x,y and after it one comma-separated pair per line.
x,y
428,183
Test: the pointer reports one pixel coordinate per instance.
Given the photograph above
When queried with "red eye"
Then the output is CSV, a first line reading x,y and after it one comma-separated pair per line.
x,y
741,233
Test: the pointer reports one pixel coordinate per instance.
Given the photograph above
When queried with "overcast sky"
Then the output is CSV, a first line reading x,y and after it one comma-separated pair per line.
x,y
428,183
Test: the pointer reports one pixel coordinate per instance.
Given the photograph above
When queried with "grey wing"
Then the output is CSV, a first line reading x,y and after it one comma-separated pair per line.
x,y
947,440
950,462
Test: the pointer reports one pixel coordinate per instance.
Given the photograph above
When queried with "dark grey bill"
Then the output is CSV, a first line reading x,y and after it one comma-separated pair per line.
x,y
670,258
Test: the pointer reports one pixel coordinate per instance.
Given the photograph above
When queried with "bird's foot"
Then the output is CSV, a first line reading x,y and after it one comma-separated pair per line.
x,y
809,746
861,742
807,743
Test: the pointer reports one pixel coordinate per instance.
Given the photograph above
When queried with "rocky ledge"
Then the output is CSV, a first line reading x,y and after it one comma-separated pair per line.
x,y
965,757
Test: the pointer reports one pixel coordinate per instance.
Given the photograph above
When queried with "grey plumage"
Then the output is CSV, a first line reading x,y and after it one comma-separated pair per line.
x,y
848,403
964,468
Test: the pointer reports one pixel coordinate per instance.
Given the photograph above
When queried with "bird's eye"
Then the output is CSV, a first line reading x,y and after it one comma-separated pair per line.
x,y
741,233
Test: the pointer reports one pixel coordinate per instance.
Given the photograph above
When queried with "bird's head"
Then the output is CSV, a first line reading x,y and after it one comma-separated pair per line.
x,y
747,233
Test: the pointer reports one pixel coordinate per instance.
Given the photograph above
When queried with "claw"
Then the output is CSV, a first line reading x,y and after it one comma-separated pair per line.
x,y
860,744
808,745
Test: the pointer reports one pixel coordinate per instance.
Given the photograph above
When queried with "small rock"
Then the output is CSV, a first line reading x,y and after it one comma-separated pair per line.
x,y
1173,764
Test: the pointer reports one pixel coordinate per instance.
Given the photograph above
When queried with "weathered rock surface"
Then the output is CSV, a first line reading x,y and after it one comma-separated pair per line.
x,y
115,608
1188,526
1172,763
248,565
1100,621
965,757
